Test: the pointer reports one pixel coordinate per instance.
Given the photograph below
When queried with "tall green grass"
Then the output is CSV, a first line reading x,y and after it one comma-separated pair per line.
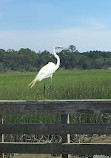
x,y
84,84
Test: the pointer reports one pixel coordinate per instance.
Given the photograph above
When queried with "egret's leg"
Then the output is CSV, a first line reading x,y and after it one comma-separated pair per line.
x,y
51,88
44,88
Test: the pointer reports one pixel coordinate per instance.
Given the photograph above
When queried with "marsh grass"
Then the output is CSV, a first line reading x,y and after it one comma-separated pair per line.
x,y
82,84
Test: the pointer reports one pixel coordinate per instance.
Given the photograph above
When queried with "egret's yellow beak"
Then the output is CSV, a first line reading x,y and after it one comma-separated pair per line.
x,y
61,47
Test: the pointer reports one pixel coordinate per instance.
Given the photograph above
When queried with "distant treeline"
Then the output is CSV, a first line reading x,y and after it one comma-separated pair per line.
x,y
28,60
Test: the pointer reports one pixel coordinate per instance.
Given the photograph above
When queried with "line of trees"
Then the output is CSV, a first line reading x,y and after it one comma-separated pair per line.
x,y
28,60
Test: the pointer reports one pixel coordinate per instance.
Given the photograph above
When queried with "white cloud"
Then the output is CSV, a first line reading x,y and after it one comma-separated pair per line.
x,y
83,39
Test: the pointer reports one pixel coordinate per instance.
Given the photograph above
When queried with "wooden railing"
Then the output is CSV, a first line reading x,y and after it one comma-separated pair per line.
x,y
64,108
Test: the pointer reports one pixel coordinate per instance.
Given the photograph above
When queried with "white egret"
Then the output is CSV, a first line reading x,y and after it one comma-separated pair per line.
x,y
48,70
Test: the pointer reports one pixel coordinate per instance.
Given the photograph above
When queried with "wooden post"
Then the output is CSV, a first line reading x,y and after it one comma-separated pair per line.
x,y
1,137
65,137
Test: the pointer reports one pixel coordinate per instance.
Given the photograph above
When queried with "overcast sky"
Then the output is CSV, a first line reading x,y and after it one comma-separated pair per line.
x,y
43,24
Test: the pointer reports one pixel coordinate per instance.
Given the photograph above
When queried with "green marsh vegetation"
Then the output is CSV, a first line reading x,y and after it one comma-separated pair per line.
x,y
81,84
67,84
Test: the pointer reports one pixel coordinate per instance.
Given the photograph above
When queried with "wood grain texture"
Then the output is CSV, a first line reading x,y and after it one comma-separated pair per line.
x,y
55,106
59,129
87,149
63,107
56,148
65,136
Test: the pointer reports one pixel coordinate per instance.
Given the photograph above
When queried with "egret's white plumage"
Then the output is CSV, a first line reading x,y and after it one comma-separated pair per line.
x,y
47,70
43,73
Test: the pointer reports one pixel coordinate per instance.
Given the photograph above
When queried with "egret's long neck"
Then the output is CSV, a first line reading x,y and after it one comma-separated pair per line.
x,y
58,59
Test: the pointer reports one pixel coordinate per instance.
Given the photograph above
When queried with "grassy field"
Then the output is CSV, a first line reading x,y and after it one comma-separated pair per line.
x,y
84,84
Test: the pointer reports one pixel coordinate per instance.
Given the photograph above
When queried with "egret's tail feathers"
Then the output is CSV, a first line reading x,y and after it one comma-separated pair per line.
x,y
33,82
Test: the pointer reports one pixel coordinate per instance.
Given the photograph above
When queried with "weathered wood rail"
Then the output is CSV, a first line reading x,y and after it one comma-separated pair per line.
x,y
63,107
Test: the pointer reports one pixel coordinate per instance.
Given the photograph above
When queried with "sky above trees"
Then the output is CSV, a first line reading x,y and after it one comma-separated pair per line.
x,y
42,24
